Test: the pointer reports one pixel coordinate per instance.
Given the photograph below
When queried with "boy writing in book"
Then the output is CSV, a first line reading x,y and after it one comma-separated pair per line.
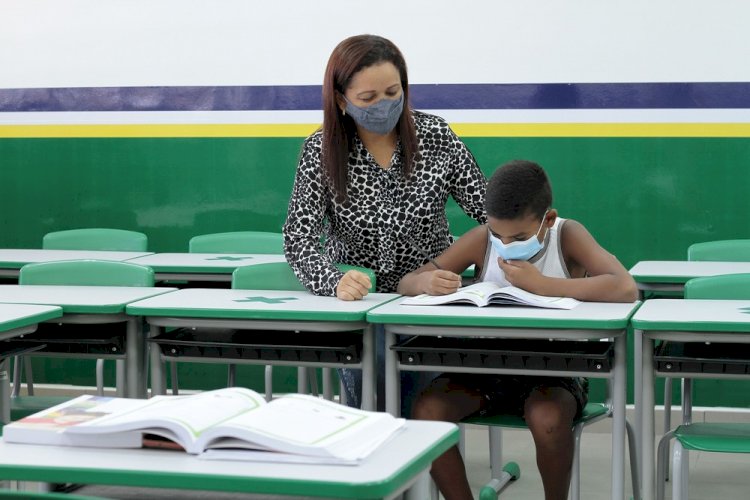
x,y
524,244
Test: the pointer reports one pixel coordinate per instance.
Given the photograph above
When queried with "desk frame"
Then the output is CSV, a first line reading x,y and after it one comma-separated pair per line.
x,y
617,375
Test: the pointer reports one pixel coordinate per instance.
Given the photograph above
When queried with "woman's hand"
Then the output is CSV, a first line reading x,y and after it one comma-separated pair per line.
x,y
354,285
439,282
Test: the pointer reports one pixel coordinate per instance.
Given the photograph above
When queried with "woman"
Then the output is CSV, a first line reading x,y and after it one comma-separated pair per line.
x,y
374,180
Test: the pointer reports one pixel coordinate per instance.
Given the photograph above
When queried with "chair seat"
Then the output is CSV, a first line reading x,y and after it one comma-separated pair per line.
x,y
590,412
716,437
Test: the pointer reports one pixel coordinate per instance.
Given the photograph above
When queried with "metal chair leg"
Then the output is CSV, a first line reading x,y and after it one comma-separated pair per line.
x,y
268,375
100,377
17,367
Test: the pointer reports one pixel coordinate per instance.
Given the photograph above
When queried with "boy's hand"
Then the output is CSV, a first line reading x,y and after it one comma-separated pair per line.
x,y
521,274
354,285
440,282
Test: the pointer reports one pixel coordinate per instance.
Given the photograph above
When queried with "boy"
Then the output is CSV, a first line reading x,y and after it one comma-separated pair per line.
x,y
525,244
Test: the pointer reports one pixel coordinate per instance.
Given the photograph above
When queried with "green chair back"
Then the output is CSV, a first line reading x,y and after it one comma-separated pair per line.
x,y
86,273
279,276
720,251
238,242
96,239
722,287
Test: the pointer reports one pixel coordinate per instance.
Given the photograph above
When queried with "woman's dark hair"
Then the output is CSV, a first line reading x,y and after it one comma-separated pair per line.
x,y
518,189
349,57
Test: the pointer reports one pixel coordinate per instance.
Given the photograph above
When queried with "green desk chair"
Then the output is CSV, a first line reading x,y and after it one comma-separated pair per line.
x,y
712,251
280,276
235,242
502,475
712,437
720,251
95,238
82,273
116,240
238,242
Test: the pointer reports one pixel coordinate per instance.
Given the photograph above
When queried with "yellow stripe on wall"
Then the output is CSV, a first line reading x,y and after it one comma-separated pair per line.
x,y
304,129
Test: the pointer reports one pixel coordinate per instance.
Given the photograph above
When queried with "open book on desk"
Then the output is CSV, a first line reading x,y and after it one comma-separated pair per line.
x,y
292,428
488,293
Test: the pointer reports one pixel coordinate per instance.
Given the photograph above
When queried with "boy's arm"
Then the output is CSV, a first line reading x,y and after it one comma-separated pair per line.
x,y
607,280
467,250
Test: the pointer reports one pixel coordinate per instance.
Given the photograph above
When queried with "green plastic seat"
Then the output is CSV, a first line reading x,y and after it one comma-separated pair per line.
x,y
709,437
503,474
77,273
280,276
238,242
720,251
118,240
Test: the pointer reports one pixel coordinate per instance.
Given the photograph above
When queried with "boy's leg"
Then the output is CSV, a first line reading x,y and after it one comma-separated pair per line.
x,y
450,402
549,414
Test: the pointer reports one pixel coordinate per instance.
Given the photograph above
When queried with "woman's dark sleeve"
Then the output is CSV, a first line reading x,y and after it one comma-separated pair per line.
x,y
304,225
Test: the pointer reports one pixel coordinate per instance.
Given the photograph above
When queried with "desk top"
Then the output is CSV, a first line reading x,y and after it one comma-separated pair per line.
x,y
694,315
214,263
383,473
79,299
14,316
257,304
590,315
16,258
675,271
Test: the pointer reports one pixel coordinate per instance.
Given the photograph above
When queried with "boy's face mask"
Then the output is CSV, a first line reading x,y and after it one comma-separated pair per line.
x,y
380,117
518,250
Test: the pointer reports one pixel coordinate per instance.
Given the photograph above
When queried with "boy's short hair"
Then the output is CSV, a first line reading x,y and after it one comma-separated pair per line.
x,y
517,189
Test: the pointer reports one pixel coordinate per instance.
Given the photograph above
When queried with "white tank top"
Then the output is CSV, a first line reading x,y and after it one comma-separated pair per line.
x,y
549,260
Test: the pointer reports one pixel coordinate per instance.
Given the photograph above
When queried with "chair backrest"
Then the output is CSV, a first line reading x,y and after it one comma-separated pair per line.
x,y
86,273
238,242
96,238
722,287
721,251
279,276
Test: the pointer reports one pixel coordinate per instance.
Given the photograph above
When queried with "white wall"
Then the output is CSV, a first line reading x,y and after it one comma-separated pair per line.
x,y
69,43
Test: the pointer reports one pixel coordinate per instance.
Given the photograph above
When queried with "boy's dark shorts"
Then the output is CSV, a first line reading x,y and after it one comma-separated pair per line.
x,y
508,393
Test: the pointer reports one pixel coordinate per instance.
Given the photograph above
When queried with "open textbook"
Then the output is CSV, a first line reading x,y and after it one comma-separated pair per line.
x,y
488,293
233,423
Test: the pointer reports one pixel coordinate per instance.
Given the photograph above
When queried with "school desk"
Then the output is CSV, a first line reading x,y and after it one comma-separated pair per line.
x,y
201,266
256,315
671,275
386,473
16,320
715,321
13,259
587,321
95,305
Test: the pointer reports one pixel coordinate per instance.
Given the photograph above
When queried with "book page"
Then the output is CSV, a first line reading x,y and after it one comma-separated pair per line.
x,y
515,295
305,425
476,294
184,417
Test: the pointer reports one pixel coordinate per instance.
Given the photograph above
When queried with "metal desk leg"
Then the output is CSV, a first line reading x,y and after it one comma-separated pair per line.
x,y
369,375
135,359
646,411
618,418
4,391
158,375
637,383
392,378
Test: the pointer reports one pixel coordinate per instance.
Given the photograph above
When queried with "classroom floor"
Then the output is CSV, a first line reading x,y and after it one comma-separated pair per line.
x,y
711,475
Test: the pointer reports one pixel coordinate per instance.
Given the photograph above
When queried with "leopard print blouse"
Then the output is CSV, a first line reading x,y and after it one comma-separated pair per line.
x,y
387,218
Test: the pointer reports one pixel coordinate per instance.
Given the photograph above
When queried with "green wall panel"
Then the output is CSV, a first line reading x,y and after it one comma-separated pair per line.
x,y
642,198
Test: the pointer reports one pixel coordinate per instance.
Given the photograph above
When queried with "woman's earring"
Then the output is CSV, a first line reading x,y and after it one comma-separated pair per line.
x,y
343,111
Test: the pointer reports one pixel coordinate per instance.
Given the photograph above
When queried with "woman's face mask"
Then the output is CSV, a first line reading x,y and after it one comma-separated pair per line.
x,y
518,250
379,118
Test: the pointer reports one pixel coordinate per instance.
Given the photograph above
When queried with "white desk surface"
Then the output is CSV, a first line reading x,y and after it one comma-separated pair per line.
x,y
15,258
261,304
676,271
20,315
693,315
79,299
384,472
585,315
203,262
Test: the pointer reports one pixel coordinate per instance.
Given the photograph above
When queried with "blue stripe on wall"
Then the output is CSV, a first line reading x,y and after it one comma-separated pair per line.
x,y
424,96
